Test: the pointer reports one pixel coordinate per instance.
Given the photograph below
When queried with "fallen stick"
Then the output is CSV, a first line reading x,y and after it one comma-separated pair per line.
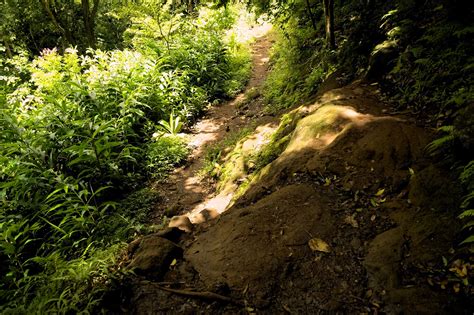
x,y
203,295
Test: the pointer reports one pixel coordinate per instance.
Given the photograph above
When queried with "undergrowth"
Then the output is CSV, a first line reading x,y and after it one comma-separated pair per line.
x,y
81,131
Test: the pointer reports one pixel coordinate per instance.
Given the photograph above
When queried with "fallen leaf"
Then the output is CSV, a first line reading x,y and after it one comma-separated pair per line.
x,y
352,221
317,244
456,287
430,281
373,202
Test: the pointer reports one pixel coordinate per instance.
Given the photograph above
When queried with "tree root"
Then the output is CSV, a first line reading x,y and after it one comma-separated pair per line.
x,y
203,295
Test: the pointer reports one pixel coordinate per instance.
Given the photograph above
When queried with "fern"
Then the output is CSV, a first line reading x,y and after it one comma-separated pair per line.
x,y
466,214
467,176
444,142
467,179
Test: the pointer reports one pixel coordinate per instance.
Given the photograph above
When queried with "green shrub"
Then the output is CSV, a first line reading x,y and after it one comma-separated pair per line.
x,y
300,62
165,153
77,136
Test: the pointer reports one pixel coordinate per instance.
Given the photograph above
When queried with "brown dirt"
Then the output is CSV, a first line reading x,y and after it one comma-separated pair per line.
x,y
344,180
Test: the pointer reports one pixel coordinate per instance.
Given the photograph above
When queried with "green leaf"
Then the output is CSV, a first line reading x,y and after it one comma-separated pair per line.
x,y
468,240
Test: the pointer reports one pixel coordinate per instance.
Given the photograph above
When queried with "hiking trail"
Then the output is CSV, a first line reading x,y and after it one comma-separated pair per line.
x,y
348,217
185,191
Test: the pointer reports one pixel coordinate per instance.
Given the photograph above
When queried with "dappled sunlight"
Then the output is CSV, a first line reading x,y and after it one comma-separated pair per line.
x,y
188,191
264,60
221,202
215,205
247,29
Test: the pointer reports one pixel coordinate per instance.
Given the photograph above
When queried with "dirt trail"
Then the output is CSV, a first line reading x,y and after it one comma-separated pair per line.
x,y
184,191
350,218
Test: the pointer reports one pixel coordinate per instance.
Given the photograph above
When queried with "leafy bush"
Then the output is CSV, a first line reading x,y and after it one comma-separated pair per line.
x,y
299,65
433,70
164,153
77,136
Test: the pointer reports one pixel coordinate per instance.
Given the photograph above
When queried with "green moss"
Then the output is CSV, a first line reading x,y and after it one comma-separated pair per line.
x,y
321,122
214,155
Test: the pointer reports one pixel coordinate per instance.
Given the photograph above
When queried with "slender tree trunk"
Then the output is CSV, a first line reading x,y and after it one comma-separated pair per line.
x,y
8,48
64,31
310,13
89,21
329,19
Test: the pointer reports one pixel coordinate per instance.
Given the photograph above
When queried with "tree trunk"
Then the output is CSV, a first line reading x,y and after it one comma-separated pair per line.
x,y
329,18
64,31
89,21
9,51
310,13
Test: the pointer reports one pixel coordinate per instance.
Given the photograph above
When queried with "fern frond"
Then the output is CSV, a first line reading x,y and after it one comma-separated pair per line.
x,y
467,175
467,200
447,129
468,225
467,213
436,145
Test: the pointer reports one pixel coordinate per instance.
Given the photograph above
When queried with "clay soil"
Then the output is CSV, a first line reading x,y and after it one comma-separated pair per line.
x,y
349,186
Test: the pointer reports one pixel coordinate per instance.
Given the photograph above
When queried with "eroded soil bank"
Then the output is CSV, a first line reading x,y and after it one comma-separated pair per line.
x,y
350,218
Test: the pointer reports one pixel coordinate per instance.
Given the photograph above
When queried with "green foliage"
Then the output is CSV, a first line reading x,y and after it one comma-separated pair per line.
x,y
173,126
300,64
165,153
443,143
467,179
435,71
81,282
213,158
77,135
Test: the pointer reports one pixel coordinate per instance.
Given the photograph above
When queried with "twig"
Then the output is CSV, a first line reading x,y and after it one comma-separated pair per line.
x,y
203,295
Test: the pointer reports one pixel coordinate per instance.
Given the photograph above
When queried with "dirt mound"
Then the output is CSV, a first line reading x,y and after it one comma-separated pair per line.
x,y
328,226
364,150
342,179
253,243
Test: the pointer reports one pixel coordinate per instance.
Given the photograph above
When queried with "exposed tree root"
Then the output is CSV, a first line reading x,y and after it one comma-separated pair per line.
x,y
203,295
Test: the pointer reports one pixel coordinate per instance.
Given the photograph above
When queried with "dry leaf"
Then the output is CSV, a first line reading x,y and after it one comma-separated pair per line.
x,y
456,287
317,244
352,221
380,192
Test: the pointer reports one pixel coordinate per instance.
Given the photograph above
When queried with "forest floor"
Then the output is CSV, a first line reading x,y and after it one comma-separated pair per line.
x,y
348,219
